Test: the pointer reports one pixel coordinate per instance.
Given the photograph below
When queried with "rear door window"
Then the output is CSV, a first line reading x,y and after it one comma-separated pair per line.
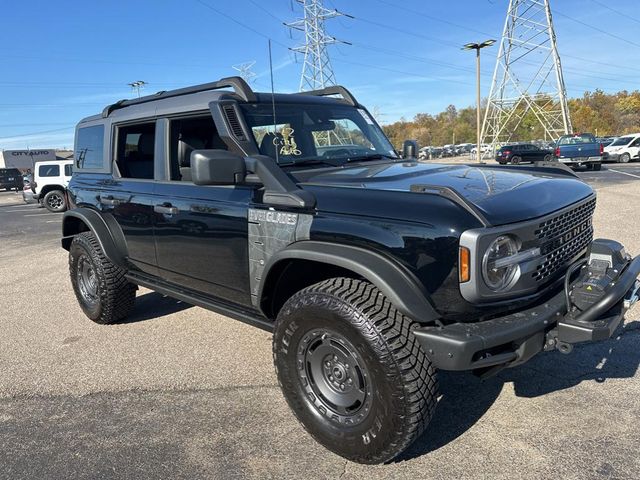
x,y
68,170
135,150
49,170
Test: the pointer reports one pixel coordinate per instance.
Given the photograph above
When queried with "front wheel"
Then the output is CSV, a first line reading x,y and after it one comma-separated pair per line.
x,y
624,158
55,201
103,292
352,371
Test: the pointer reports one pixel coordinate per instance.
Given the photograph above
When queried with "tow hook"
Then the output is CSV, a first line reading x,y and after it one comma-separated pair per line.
x,y
564,347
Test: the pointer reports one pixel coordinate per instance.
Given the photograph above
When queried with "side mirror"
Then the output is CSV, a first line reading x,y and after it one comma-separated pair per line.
x,y
217,167
409,149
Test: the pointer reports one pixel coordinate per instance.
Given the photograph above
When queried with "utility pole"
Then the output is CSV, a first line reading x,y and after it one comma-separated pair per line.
x,y
527,78
477,47
245,71
317,71
137,86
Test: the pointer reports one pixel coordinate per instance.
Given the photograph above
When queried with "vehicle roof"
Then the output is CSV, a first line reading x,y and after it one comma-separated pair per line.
x,y
64,160
199,101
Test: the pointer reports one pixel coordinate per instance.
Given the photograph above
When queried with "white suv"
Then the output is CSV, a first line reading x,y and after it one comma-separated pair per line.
x,y
50,180
624,148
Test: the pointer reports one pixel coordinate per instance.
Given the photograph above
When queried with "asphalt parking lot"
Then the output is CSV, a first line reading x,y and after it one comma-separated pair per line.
x,y
180,392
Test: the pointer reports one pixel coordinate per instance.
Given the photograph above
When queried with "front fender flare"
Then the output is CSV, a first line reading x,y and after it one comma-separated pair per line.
x,y
105,228
398,284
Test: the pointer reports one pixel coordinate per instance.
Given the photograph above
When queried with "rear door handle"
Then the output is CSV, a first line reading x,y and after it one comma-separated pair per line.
x,y
109,200
167,209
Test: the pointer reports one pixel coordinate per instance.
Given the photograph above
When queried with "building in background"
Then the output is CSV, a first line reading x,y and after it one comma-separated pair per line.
x,y
25,159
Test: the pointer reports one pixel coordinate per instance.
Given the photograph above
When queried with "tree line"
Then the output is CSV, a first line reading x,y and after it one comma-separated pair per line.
x,y
596,112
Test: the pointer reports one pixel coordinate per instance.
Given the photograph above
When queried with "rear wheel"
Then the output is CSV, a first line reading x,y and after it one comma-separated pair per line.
x,y
596,166
516,160
624,158
547,158
352,371
101,288
55,201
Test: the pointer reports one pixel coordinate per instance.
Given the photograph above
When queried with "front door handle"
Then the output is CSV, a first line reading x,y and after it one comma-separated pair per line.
x,y
109,200
167,209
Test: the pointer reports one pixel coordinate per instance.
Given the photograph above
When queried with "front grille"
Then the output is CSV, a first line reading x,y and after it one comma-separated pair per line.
x,y
563,237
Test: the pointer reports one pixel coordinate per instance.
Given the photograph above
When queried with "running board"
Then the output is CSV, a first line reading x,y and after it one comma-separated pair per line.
x,y
192,298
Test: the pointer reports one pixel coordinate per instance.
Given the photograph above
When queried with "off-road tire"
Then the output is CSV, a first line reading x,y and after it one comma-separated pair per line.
x,y
55,201
114,295
515,160
624,158
401,379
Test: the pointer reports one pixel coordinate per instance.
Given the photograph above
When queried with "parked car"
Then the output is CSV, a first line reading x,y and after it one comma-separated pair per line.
x,y
27,193
579,149
605,141
623,149
50,183
522,153
10,179
372,271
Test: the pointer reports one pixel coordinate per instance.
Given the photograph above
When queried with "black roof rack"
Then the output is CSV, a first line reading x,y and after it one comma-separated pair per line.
x,y
240,87
333,90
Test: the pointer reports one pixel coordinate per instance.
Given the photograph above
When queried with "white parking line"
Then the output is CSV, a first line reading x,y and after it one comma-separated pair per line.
x,y
38,214
23,210
624,173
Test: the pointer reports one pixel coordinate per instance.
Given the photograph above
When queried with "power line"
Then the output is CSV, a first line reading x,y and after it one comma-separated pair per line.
x,y
623,14
597,29
466,28
71,126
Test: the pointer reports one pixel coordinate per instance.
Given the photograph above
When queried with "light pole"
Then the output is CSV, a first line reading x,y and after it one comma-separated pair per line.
x,y
137,85
477,47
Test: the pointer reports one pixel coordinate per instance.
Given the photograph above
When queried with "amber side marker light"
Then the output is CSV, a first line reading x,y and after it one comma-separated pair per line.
x,y
463,265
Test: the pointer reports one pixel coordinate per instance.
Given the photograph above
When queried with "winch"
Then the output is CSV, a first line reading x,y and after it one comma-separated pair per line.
x,y
606,260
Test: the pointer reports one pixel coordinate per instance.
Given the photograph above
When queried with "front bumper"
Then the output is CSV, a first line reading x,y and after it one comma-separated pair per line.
x,y
515,338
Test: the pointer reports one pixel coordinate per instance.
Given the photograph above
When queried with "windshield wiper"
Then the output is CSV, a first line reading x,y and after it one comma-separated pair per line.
x,y
374,156
309,161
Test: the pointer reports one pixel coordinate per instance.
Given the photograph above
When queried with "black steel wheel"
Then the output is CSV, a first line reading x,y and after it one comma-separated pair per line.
x,y
335,375
352,371
55,201
103,292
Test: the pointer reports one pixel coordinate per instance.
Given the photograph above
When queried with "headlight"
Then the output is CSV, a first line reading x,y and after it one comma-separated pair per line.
x,y
498,272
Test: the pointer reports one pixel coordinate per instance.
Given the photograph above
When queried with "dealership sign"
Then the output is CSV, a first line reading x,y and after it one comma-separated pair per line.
x,y
26,158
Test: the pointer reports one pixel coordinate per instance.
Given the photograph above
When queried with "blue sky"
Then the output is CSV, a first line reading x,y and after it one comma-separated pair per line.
x,y
66,59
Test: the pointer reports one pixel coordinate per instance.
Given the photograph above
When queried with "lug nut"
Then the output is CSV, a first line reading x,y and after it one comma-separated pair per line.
x,y
342,386
327,364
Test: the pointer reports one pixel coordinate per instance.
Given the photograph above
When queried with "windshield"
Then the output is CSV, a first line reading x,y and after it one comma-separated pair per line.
x,y
621,141
577,139
316,133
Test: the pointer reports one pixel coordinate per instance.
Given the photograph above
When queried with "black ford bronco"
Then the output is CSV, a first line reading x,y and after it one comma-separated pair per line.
x,y
294,213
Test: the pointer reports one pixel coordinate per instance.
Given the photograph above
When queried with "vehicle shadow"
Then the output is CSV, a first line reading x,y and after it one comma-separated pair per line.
x,y
153,305
465,398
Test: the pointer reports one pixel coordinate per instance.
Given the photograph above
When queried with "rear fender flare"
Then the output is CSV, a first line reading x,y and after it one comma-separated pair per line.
x,y
398,284
105,228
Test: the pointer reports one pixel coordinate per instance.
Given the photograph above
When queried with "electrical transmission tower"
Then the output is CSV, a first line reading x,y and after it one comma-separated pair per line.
x,y
245,71
527,88
317,71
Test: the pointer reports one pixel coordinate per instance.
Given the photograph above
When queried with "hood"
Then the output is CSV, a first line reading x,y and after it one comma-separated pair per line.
x,y
502,195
